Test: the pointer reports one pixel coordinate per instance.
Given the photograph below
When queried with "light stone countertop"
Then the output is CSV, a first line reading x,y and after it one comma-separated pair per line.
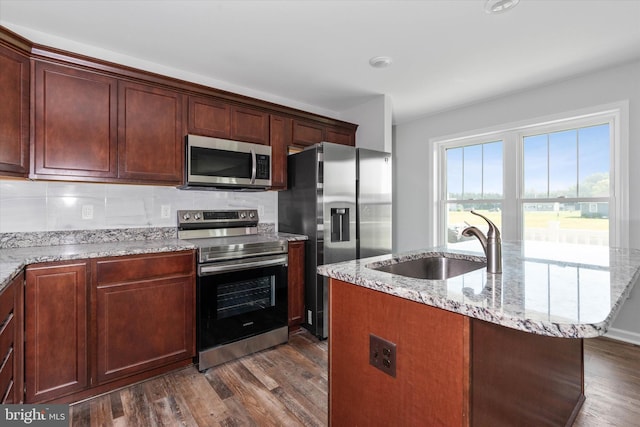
x,y
13,260
548,289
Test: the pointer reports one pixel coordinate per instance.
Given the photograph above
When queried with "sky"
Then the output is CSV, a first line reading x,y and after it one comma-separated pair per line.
x,y
554,163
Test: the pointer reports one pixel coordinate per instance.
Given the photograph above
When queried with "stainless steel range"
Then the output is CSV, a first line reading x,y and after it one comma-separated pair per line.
x,y
241,284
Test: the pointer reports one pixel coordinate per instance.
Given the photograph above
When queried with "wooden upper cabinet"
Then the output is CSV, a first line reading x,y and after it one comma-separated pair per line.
x,y
340,136
14,113
150,133
280,139
219,119
250,125
305,133
209,117
75,122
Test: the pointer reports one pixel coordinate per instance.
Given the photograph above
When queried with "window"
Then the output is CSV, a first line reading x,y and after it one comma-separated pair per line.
x,y
557,181
474,182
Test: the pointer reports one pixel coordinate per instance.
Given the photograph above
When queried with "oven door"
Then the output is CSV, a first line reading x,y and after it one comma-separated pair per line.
x,y
241,298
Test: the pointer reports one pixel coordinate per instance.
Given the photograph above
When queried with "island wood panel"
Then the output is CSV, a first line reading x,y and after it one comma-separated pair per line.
x,y
14,113
432,361
524,379
75,122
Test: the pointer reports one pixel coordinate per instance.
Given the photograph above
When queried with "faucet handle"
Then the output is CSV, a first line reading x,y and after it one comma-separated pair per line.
x,y
493,230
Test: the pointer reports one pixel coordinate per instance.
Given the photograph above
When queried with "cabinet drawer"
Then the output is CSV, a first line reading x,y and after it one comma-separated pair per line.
x,y
6,379
6,305
133,268
6,337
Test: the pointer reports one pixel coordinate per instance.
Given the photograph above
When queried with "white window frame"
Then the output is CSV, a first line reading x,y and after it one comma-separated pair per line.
x,y
616,114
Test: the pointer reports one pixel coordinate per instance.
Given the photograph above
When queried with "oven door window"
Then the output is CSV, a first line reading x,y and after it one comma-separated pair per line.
x,y
245,296
236,305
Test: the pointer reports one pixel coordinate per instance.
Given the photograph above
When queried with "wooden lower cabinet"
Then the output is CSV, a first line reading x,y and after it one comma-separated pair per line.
x,y
56,330
296,284
144,319
12,341
95,325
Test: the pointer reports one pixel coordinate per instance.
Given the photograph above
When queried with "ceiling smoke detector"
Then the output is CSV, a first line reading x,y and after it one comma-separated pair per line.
x,y
380,61
499,6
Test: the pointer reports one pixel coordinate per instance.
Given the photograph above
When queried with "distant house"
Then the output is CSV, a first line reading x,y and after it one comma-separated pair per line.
x,y
594,210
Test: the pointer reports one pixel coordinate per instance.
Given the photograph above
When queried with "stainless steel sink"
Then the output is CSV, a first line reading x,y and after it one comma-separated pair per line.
x,y
437,267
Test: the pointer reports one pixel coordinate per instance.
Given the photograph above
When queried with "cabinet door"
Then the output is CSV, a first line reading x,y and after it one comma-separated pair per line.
x,y
340,136
11,342
14,113
145,313
150,134
296,284
55,330
250,125
209,117
307,133
280,138
75,123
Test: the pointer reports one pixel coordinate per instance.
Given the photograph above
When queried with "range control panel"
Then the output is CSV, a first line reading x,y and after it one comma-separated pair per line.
x,y
217,219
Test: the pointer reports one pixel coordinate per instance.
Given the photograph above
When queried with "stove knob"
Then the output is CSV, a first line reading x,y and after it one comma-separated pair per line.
x,y
186,216
252,215
243,215
196,216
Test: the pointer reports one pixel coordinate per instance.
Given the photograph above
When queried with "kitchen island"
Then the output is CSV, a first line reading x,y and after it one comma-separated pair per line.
x,y
475,349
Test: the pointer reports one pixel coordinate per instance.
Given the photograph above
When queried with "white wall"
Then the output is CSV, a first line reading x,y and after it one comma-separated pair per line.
x,y
374,123
413,214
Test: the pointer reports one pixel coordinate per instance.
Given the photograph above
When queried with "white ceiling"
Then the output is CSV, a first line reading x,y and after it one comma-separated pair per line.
x,y
446,53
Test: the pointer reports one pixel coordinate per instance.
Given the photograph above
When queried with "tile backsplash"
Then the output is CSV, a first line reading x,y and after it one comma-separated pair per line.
x,y
29,206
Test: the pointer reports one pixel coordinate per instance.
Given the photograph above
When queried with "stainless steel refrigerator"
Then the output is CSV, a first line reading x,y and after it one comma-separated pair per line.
x,y
340,197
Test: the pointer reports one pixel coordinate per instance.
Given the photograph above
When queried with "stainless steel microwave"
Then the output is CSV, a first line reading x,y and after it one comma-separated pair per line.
x,y
224,164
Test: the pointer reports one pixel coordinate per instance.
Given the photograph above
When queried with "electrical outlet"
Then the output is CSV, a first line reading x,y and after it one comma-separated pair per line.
x,y
382,355
87,211
165,211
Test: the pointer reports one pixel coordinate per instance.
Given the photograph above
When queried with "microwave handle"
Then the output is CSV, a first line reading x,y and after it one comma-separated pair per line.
x,y
253,166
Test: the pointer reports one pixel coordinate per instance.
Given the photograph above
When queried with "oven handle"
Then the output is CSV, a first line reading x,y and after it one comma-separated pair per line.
x,y
210,269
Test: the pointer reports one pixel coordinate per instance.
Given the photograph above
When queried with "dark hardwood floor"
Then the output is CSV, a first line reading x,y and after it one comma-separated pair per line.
x,y
287,386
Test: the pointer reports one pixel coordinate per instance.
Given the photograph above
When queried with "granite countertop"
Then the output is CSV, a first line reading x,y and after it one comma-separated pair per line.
x,y
555,290
14,259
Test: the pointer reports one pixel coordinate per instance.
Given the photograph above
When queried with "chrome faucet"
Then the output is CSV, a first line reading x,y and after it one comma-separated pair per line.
x,y
490,243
